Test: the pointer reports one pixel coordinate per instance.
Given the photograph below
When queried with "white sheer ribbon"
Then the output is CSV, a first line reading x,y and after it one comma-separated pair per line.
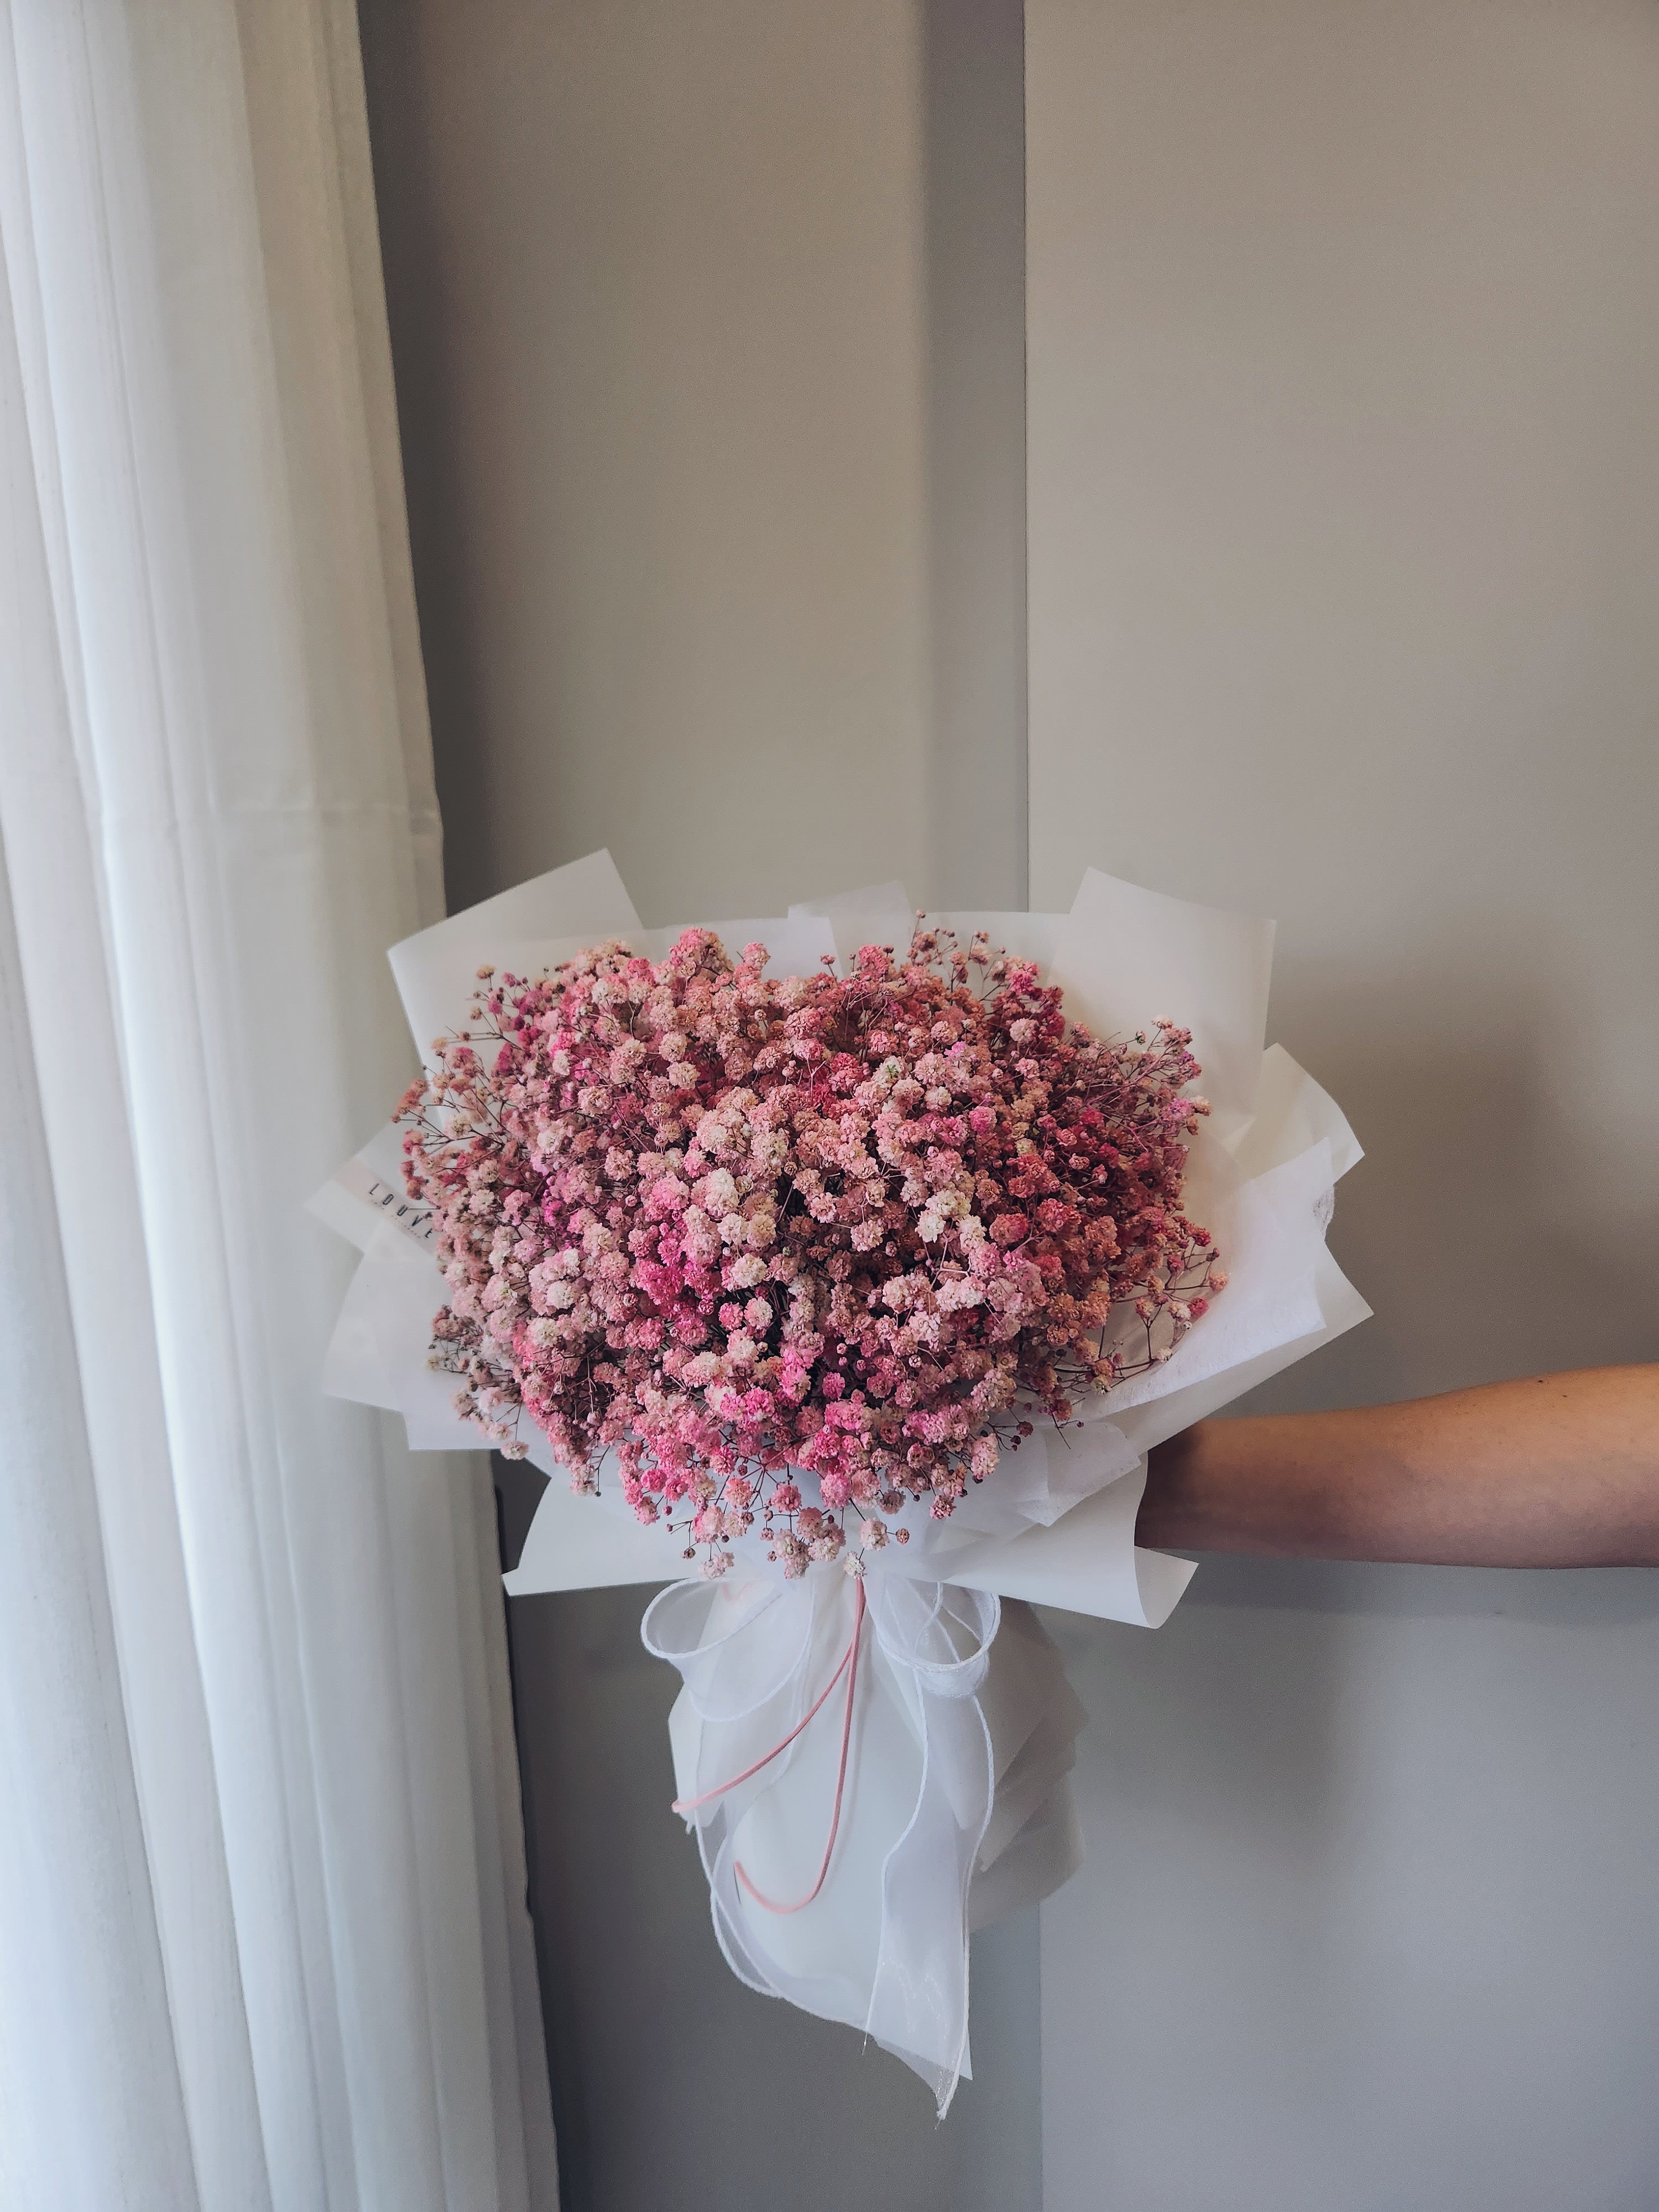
x,y
262,1935
943,1710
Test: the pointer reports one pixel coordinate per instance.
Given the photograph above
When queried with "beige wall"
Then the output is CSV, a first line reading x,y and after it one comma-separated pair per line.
x,y
673,570
1343,574
1344,514
708,325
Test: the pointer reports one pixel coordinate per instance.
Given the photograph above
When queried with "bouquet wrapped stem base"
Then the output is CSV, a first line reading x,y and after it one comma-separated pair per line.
x,y
863,1284
962,1736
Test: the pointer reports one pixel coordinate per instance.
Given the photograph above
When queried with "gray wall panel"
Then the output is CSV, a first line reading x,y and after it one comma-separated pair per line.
x,y
708,325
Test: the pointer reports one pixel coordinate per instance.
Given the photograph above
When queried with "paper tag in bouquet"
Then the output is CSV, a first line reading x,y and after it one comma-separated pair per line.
x,y
359,1181
367,1192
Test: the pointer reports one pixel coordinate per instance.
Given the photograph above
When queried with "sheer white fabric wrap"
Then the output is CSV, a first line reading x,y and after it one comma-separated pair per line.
x,y
957,1804
959,1811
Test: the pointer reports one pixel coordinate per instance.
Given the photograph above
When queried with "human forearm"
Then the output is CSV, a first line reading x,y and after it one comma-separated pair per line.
x,y
1557,1470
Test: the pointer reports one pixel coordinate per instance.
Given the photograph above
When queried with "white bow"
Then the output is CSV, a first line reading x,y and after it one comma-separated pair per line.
x,y
839,1748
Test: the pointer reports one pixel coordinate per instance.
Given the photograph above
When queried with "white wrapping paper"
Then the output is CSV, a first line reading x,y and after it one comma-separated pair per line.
x,y
955,1805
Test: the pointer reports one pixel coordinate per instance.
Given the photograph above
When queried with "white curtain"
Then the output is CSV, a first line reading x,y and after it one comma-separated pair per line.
x,y
263,1939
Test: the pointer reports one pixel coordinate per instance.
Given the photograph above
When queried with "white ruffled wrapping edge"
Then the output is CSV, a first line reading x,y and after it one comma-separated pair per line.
x,y
957,1807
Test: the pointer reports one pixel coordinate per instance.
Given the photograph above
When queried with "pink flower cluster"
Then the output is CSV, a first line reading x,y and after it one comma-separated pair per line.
x,y
730,1230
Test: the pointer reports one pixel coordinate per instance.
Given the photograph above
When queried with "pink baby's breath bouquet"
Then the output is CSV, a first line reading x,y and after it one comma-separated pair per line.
x,y
856,1269
716,1228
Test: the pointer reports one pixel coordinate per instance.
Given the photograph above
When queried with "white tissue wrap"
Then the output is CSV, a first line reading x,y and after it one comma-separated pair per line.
x,y
956,1806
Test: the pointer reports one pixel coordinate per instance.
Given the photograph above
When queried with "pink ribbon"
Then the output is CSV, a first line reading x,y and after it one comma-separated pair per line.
x,y
848,1665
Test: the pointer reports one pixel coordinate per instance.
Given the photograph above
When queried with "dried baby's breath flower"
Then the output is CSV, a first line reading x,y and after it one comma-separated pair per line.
x,y
861,1226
